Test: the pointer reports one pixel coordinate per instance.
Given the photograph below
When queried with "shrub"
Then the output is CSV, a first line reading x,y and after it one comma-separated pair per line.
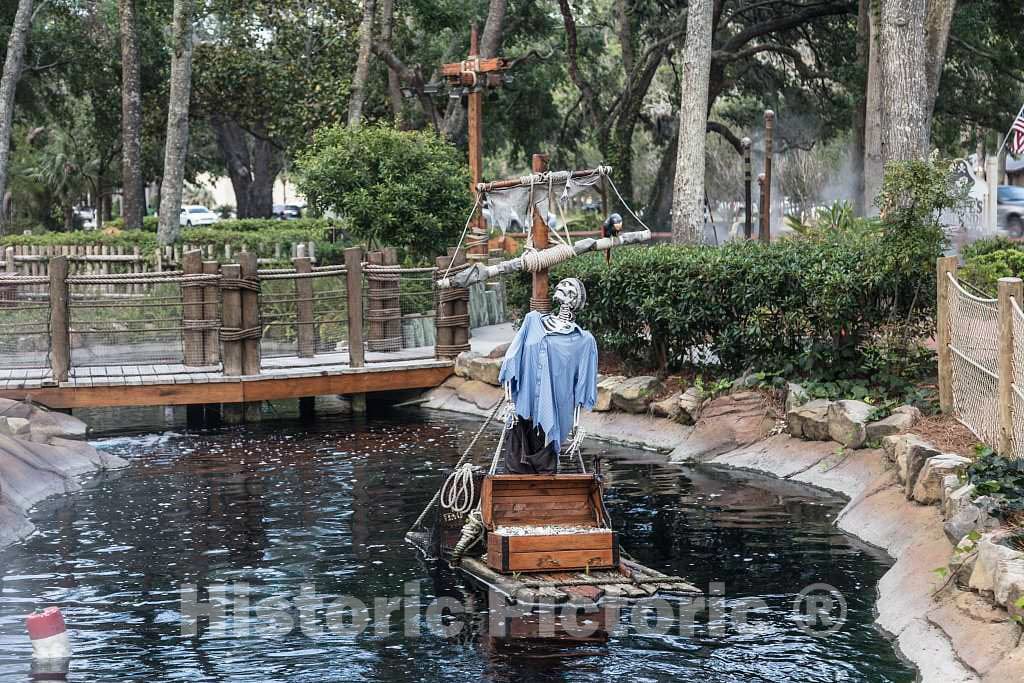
x,y
843,301
985,270
406,189
999,477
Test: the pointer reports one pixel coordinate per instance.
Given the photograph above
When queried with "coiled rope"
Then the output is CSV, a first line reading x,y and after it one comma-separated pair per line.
x,y
459,490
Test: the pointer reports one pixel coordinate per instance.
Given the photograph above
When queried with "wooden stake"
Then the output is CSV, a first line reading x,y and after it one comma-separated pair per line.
x,y
766,210
232,319
946,265
474,116
1010,288
747,182
192,311
354,285
211,294
250,319
540,300
304,305
60,333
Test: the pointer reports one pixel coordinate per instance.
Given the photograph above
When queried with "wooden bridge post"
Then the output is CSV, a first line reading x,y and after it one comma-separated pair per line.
x,y
766,212
304,304
60,333
1010,288
232,348
250,322
745,143
540,300
452,317
374,303
354,287
192,311
211,311
945,266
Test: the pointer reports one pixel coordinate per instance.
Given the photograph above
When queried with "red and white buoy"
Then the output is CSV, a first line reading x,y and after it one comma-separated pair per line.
x,y
49,634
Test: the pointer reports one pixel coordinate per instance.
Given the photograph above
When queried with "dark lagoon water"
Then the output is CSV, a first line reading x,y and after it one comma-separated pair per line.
x,y
289,509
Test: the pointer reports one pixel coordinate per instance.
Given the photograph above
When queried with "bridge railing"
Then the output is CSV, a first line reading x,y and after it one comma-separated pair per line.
x,y
227,318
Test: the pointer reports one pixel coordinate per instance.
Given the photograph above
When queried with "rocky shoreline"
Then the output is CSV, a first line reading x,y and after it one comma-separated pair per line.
x,y
41,455
904,498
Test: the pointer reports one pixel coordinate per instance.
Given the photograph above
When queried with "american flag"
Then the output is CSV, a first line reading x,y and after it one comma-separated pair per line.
x,y
1017,135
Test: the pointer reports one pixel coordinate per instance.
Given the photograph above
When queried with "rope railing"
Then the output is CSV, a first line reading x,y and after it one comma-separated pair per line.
x,y
981,359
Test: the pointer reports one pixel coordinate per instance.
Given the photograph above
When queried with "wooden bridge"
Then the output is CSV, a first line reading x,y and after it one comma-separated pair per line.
x,y
231,333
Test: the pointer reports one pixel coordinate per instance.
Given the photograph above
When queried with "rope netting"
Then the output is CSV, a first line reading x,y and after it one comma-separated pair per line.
x,y
974,343
24,322
974,326
137,319
303,314
398,309
1017,438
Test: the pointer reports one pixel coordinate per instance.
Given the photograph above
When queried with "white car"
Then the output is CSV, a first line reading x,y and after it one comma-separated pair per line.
x,y
192,214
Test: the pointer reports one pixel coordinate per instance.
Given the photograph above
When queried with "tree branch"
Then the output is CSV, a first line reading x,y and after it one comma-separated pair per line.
x,y
727,135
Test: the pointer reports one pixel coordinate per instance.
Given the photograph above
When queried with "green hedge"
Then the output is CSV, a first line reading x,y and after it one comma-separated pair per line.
x,y
810,306
258,235
985,261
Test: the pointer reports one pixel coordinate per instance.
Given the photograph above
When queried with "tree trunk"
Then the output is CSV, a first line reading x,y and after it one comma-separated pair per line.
x,y
874,166
904,80
387,22
133,194
176,148
688,189
233,147
267,163
357,96
936,32
659,208
69,217
13,64
857,146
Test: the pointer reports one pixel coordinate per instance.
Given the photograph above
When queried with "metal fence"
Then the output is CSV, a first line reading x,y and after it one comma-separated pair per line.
x,y
24,322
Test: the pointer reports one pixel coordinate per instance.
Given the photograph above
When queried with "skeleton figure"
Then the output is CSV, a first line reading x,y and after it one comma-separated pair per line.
x,y
570,296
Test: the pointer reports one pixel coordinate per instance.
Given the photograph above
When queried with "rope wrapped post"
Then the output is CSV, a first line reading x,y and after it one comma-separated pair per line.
x,y
393,302
540,300
60,333
230,338
304,304
193,337
946,266
452,317
211,313
375,314
251,324
1010,288
354,285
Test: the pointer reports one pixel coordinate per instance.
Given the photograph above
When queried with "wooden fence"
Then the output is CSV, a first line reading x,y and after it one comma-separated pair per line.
x,y
210,316
980,343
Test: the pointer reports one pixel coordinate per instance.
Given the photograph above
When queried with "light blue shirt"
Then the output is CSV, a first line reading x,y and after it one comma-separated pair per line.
x,y
551,374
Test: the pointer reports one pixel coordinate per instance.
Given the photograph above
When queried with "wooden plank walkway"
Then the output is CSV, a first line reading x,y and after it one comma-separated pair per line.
x,y
280,378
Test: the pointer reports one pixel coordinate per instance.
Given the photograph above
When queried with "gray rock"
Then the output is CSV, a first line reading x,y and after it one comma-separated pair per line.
x,y
484,396
911,454
889,444
956,500
964,557
605,387
462,363
14,426
12,408
48,425
1009,579
499,350
744,383
847,422
668,407
810,421
907,409
972,516
928,487
897,423
485,370
634,394
796,396
991,554
691,404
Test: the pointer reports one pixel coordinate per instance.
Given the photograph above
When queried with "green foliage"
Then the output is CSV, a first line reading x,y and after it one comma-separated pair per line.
x,y
984,271
404,189
987,246
999,477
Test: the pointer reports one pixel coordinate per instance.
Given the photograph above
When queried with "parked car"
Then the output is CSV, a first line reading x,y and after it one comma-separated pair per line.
x,y
1010,208
196,215
287,212
87,218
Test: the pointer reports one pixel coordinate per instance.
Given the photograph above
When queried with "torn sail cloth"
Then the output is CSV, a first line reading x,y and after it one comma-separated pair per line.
x,y
550,374
526,451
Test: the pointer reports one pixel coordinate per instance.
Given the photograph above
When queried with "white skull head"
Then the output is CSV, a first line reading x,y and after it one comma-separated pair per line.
x,y
570,294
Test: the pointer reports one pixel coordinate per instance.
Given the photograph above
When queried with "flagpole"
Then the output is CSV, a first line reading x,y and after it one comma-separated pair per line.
x,y
1007,136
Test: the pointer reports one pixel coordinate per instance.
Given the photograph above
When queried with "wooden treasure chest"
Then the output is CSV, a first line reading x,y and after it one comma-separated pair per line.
x,y
546,522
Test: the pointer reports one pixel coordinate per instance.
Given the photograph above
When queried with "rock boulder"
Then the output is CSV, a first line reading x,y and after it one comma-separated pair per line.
x,y
971,516
911,454
847,422
902,419
796,396
691,403
992,555
605,387
928,487
810,421
634,394
668,407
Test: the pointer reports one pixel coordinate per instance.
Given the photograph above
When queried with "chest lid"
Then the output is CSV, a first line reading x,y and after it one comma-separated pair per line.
x,y
541,500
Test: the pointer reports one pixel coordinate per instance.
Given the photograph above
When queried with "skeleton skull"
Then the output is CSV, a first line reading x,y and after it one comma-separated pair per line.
x,y
570,294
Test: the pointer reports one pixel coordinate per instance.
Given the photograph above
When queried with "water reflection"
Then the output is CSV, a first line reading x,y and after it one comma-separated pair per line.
x,y
283,506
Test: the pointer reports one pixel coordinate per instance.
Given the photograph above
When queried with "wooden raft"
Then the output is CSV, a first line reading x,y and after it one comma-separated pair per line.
x,y
630,581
